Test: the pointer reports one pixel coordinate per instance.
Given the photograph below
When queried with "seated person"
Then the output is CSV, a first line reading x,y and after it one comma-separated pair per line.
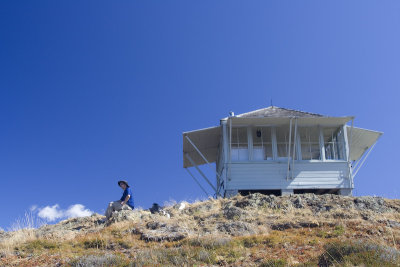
x,y
125,203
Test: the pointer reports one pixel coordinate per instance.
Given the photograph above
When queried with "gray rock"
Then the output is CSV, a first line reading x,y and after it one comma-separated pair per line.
x,y
233,213
70,228
376,204
257,200
124,215
162,232
157,237
199,208
298,202
96,260
155,225
236,228
290,225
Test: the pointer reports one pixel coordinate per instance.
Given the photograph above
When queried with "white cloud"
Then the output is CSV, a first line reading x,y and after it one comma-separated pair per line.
x,y
52,213
77,210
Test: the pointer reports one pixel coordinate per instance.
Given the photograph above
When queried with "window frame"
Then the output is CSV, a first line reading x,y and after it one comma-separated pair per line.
x,y
250,144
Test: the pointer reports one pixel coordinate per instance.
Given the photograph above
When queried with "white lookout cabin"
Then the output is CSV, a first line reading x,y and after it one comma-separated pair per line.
x,y
280,151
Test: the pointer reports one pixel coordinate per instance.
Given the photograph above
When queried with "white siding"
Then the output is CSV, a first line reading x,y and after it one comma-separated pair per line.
x,y
272,175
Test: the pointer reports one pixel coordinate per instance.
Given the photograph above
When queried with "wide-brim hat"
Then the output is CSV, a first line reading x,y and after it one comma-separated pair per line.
x,y
122,181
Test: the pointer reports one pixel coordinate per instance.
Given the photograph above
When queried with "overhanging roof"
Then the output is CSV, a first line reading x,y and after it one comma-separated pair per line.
x,y
273,111
206,140
302,121
361,140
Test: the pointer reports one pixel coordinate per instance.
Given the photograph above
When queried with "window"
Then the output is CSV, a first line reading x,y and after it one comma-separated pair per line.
x,y
240,150
309,138
282,142
334,143
262,143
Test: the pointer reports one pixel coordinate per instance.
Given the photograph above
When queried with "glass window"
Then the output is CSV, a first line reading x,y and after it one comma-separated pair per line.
x,y
334,143
309,139
262,143
282,142
239,151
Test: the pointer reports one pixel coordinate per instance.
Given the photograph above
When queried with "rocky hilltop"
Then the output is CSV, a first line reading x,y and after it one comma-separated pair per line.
x,y
255,230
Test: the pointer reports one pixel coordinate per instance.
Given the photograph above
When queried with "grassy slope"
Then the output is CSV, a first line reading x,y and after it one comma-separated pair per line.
x,y
302,237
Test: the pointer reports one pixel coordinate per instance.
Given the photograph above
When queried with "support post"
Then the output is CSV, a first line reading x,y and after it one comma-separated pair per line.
x,y
290,144
197,182
351,136
250,142
347,144
225,148
321,144
230,149
347,150
295,141
274,144
201,173
362,162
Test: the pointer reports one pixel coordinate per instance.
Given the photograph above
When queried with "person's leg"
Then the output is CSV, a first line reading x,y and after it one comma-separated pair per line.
x,y
113,206
109,210
117,205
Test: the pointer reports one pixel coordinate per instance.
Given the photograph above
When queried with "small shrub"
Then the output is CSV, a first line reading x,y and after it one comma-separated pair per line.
x,y
313,242
37,246
322,234
338,231
348,253
207,243
95,243
274,263
206,256
165,257
230,254
252,241
124,244
99,260
116,233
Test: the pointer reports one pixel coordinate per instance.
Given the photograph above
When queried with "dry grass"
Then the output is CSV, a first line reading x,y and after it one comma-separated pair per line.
x,y
277,248
306,240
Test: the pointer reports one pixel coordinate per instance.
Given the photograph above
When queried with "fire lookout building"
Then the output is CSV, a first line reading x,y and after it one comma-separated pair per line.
x,y
280,151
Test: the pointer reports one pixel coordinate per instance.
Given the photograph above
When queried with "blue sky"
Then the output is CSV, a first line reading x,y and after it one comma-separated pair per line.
x,y
94,91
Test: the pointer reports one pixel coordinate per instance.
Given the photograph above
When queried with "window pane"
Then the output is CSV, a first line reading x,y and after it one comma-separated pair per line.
x,y
282,141
239,135
282,150
334,143
262,143
309,138
239,150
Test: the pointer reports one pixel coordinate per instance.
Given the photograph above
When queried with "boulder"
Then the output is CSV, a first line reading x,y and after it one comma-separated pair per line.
x,y
236,228
69,228
162,232
376,204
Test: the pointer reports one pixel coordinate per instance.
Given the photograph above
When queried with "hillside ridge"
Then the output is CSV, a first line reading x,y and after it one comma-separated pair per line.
x,y
300,225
